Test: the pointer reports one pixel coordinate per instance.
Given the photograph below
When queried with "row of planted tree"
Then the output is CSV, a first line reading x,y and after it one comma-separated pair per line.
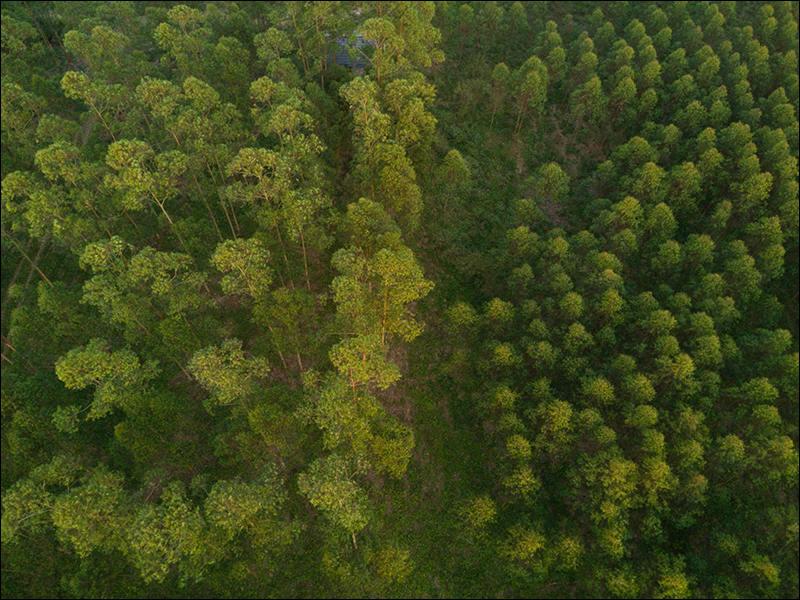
x,y
633,357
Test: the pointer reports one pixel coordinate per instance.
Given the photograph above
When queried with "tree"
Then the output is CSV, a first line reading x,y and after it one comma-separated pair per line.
x,y
119,377
187,46
233,507
245,263
478,515
466,17
151,293
329,486
361,360
144,176
106,53
404,39
233,59
529,86
551,184
226,373
374,292
103,99
94,515
499,89
623,95
588,103
171,533
455,175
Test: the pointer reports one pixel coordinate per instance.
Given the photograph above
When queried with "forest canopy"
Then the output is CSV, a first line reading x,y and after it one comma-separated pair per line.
x,y
400,299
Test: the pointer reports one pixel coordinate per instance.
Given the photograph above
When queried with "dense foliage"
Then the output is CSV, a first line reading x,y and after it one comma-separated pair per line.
x,y
510,312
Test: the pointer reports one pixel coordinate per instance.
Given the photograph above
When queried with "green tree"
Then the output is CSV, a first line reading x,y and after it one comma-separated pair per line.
x,y
329,485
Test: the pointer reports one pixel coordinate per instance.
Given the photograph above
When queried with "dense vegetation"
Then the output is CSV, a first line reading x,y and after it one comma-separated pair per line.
x,y
512,313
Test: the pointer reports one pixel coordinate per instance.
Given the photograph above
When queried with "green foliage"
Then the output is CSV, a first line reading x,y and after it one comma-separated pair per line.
x,y
361,360
507,309
329,486
245,264
118,376
478,514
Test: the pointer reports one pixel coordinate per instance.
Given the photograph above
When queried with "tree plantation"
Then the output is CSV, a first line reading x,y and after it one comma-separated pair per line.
x,y
400,299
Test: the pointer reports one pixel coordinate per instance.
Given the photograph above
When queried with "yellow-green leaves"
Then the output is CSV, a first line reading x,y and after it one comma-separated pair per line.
x,y
235,506
329,486
246,268
227,373
94,515
374,293
478,515
138,292
361,359
117,376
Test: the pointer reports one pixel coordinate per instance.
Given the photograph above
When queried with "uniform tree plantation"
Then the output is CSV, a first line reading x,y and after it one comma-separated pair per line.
x,y
400,299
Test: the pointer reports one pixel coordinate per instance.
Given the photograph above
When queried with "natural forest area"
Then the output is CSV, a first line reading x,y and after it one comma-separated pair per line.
x,y
400,299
